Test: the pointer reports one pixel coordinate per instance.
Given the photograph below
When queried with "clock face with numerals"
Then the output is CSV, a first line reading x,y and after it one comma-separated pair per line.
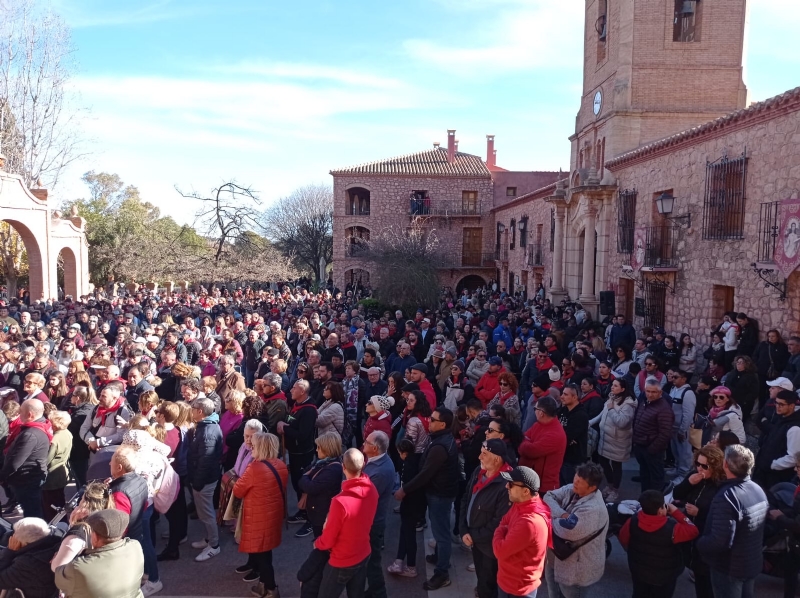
x,y
598,102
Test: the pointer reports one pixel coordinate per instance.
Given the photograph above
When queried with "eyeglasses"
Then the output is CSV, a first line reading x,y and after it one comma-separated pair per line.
x,y
504,384
717,397
514,485
781,404
701,465
492,430
435,420
480,356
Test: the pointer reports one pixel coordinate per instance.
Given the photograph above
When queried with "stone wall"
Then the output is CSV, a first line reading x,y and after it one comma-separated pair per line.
x,y
708,269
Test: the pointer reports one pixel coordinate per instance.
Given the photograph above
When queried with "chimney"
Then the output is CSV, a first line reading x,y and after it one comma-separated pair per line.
x,y
491,154
451,145
456,144
435,145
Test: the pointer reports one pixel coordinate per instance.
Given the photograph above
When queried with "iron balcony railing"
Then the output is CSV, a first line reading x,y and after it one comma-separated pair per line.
x,y
501,254
535,255
768,231
356,249
469,259
444,207
660,243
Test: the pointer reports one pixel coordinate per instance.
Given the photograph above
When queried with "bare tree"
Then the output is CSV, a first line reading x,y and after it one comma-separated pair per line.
x,y
227,220
302,225
38,124
405,265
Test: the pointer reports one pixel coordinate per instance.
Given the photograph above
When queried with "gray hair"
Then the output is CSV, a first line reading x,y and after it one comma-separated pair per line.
x,y
30,529
652,381
204,405
740,460
304,385
315,352
254,425
380,441
274,380
229,359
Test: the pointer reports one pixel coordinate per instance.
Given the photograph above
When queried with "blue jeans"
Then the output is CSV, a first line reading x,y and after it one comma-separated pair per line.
x,y
336,579
731,587
150,562
29,498
682,451
439,509
503,594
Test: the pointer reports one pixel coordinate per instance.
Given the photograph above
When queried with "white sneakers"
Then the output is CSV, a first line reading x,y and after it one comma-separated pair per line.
x,y
151,587
208,553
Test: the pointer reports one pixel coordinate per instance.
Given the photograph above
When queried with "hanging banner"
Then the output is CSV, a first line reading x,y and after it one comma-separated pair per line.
x,y
787,245
637,255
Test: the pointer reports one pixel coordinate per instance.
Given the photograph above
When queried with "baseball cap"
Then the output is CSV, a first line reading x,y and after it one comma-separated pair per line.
x,y
496,447
523,475
495,360
784,383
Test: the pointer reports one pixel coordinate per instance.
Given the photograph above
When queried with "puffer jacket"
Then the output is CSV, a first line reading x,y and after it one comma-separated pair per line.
x,y
652,424
616,430
105,432
28,569
330,418
741,503
585,516
481,512
488,386
262,505
320,483
476,370
205,451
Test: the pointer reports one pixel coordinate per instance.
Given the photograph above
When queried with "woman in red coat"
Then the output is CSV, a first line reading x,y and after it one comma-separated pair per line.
x,y
262,489
379,417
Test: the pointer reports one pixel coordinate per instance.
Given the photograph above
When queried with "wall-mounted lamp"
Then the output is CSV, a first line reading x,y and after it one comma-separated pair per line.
x,y
501,228
665,203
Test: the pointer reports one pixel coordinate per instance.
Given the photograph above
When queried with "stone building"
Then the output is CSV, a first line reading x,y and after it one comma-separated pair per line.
x,y
454,193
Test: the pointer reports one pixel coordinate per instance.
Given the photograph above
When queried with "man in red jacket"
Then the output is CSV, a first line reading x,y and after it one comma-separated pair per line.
x,y
521,540
419,376
489,384
544,444
346,531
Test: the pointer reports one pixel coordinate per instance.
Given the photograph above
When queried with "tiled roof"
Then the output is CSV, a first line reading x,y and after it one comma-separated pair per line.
x,y
789,100
545,191
430,162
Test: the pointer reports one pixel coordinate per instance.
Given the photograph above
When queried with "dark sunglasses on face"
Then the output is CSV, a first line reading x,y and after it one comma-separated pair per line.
x,y
702,465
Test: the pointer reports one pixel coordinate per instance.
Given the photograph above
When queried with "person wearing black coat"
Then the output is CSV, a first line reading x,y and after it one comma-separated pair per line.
x,y
27,567
412,509
320,483
25,466
733,536
80,453
744,385
298,432
486,502
574,418
770,357
694,495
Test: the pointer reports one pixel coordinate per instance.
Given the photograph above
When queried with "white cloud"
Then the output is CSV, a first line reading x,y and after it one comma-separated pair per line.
x,y
517,35
101,13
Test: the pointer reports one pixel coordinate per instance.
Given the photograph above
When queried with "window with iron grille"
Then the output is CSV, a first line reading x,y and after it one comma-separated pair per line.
x,y
655,304
724,202
552,230
626,217
513,233
523,231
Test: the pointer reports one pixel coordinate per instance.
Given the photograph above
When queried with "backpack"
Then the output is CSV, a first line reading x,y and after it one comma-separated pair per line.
x,y
168,488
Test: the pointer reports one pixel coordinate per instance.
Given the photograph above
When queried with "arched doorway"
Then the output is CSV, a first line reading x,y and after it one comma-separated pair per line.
x,y
357,238
67,273
358,201
471,282
356,277
22,259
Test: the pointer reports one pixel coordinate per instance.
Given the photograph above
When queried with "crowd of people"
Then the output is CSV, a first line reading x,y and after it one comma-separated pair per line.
x,y
501,422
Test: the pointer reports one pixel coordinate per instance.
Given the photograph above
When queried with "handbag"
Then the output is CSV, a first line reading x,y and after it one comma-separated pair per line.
x,y
563,549
771,373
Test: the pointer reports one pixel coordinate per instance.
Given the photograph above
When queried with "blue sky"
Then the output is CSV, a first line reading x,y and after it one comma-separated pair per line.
x,y
275,94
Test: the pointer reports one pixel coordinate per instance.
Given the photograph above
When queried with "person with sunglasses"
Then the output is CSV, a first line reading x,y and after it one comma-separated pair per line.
x,y
725,413
694,495
775,460
478,366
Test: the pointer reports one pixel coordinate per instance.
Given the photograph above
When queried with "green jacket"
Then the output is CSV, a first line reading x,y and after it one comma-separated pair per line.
x,y
113,571
57,457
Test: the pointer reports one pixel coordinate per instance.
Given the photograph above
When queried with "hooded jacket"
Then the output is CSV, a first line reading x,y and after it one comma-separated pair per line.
x,y
346,531
488,386
542,450
520,546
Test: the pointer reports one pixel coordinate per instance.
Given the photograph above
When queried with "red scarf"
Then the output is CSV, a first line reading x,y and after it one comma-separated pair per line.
x,y
299,406
484,481
45,426
103,411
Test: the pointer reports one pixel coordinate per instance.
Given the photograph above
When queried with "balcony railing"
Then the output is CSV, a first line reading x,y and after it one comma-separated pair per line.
x,y
469,259
768,228
444,207
356,211
356,250
501,254
660,242
535,255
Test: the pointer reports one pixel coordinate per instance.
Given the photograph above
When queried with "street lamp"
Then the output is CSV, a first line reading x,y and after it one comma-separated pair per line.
x,y
665,203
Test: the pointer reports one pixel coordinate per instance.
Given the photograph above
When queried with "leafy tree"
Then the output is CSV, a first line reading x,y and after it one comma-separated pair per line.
x,y
301,225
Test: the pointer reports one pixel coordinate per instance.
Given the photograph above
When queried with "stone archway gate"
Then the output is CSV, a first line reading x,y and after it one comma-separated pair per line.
x,y
46,235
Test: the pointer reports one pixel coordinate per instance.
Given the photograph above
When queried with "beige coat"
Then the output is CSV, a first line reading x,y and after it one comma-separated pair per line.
x,y
113,570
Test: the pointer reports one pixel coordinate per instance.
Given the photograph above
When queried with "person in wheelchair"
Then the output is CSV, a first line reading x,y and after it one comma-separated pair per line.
x,y
25,563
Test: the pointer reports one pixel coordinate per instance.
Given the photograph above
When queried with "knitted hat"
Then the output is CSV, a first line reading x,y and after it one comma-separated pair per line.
x,y
452,351
382,402
420,367
459,363
109,524
554,373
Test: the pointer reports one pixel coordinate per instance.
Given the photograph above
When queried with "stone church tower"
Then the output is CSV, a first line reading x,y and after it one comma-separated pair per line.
x,y
652,68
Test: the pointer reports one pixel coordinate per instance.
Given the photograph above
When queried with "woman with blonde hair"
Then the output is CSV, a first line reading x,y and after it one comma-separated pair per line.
x,y
96,497
184,420
232,418
57,468
262,489
321,482
148,401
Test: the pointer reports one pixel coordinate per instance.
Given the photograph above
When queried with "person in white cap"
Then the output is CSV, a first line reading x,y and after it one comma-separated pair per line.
x,y
766,415
379,417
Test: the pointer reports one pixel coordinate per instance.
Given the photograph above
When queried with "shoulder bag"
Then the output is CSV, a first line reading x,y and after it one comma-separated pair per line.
x,y
280,487
563,549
